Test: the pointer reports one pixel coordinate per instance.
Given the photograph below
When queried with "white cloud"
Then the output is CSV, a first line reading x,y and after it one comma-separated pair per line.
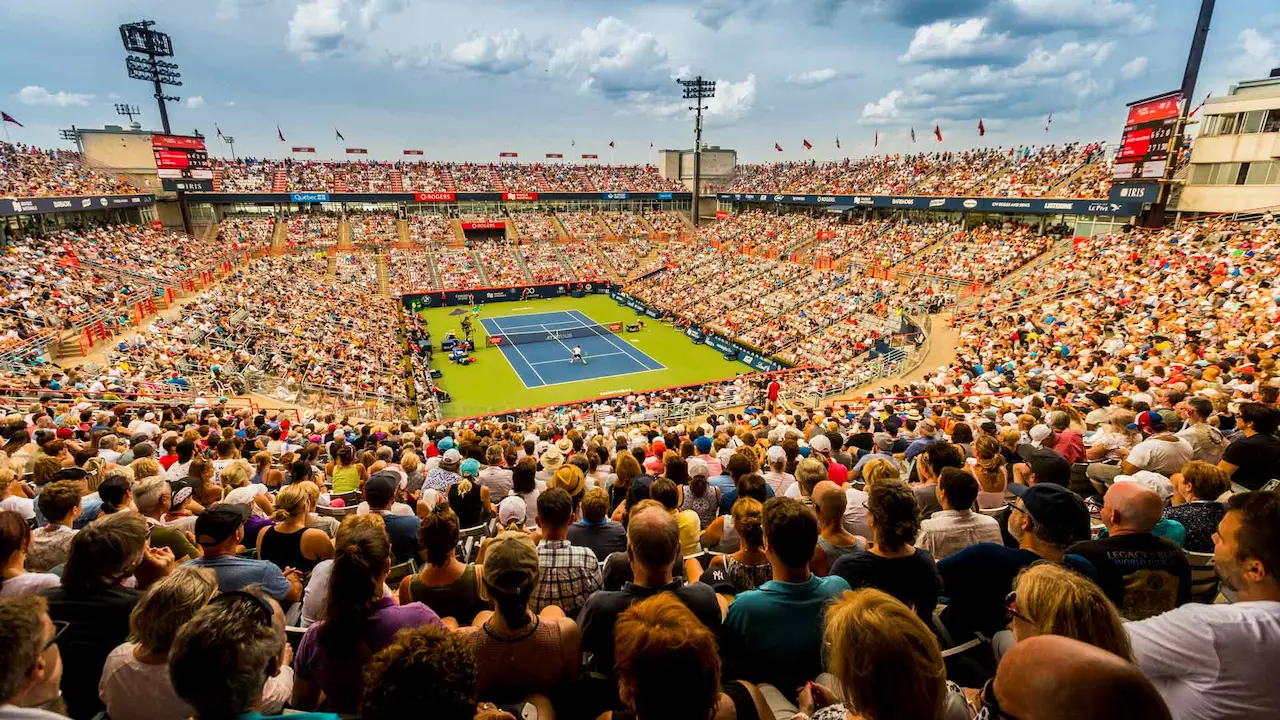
x,y
195,101
505,52
372,11
113,96
614,59
733,100
813,78
38,95
231,103
1135,68
1053,15
947,41
317,29
885,109
1070,56
1258,53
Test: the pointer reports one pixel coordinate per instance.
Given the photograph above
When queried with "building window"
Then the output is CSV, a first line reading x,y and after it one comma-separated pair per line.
x,y
1252,122
1257,173
1200,173
1272,123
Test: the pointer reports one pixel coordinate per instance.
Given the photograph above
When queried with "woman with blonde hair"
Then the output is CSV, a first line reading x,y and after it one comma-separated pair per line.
x,y
290,543
1114,440
240,489
748,568
988,467
878,470
885,663
469,499
1049,599
262,472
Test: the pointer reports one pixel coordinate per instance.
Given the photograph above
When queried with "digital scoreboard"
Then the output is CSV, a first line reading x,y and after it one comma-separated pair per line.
x,y
1150,139
182,163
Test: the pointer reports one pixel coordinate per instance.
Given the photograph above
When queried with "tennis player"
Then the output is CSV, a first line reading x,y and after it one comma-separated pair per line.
x,y
576,354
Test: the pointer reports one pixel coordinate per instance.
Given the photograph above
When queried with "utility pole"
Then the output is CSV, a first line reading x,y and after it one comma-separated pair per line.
x,y
697,90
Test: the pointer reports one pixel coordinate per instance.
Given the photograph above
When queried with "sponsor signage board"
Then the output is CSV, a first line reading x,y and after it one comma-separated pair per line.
x,y
1035,206
45,205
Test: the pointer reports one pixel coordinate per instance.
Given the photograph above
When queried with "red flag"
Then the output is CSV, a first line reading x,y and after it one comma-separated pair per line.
x,y
280,133
937,132
777,147
1191,114
808,145
611,143
982,130
6,117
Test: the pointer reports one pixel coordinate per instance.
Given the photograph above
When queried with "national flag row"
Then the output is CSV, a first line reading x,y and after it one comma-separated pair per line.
x,y
338,136
937,133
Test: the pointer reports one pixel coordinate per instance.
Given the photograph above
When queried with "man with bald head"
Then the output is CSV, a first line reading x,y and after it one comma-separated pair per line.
x,y
834,541
1050,677
1144,575
653,547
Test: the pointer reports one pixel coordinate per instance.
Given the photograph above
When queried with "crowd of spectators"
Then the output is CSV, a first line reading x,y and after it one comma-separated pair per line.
x,y
373,229
581,225
429,229
545,262
316,230
246,230
536,226
27,171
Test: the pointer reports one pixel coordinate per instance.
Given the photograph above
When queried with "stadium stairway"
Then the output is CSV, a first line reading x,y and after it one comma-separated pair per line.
x,y
644,223
512,231
495,180
524,267
434,271
450,182
280,181
397,181
1058,189
340,183
217,180
479,263
562,233
459,237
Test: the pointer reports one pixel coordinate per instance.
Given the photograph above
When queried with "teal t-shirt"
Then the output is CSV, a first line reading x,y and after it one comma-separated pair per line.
x,y
290,716
773,634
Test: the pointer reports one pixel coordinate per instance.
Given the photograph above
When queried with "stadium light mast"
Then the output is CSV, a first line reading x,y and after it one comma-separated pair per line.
x,y
697,90
229,140
150,45
126,110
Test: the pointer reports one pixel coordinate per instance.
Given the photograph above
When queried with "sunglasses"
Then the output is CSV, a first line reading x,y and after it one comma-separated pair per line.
x,y
991,709
59,627
1011,606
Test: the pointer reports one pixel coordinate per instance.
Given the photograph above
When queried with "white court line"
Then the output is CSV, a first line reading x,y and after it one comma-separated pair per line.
x,y
601,377
544,326
609,339
593,357
522,357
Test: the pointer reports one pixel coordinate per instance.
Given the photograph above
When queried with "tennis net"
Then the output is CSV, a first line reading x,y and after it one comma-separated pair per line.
x,y
525,337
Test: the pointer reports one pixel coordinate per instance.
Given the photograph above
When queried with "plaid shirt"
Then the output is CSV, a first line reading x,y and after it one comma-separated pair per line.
x,y
569,574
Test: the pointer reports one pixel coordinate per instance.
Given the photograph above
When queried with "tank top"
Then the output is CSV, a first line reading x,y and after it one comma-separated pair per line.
x,y
459,599
707,506
538,652
285,549
835,552
467,507
747,577
346,479
990,500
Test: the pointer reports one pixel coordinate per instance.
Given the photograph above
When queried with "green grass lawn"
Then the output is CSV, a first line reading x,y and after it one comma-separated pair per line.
x,y
490,385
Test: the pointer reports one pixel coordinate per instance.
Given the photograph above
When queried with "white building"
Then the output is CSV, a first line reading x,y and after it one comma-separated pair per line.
x,y
1235,162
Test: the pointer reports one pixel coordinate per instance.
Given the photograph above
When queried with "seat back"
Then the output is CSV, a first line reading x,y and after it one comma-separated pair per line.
x,y
400,571
351,499
1204,578
469,540
333,512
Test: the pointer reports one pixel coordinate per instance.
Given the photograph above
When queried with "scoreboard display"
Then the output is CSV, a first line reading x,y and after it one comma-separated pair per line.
x,y
1150,139
182,163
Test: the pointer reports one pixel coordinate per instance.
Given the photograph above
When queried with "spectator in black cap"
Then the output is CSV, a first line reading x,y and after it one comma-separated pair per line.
x,y
1045,519
1041,465
380,493
220,532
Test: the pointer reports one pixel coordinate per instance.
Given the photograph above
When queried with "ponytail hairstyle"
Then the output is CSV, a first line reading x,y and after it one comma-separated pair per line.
x,y
262,461
748,521
346,455
293,501
438,534
698,485
15,536
114,491
355,585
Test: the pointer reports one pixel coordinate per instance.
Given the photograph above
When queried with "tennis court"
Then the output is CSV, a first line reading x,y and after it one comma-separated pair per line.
x,y
542,361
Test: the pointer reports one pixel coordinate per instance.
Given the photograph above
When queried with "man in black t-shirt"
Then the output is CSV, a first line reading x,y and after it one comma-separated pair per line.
x,y
1253,459
1144,575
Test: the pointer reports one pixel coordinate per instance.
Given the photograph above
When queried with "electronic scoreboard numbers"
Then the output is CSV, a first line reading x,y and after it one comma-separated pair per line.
x,y
1150,139
182,163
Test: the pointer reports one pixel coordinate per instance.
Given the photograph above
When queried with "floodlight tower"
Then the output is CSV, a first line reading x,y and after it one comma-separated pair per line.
x,y
697,90
126,110
232,142
149,45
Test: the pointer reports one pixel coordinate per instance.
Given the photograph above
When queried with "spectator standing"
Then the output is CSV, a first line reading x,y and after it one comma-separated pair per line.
x,y
773,634
956,526
595,530
1144,575
1218,661
359,620
568,574
891,563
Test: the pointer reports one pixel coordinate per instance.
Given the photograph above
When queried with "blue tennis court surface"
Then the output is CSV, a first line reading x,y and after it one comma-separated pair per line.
x,y
547,363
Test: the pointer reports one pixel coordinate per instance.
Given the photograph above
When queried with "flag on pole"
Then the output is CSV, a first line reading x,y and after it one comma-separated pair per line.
x,y
6,117
650,144
808,145
220,135
913,134
1048,121
280,133
611,143
937,132
982,130
777,147
877,143
339,135
837,142
1191,114
572,143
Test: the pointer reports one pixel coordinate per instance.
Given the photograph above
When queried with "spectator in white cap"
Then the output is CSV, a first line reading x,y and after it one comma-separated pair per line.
x,y
445,475
700,495
776,476
1039,433
145,426
512,513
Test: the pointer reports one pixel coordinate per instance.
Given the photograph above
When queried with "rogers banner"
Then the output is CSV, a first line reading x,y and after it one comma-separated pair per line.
x,y
412,152
498,225
555,156
508,154
304,149
357,151
434,197
177,141
520,196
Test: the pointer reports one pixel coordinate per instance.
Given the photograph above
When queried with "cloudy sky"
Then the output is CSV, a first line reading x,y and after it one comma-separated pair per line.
x,y
466,80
